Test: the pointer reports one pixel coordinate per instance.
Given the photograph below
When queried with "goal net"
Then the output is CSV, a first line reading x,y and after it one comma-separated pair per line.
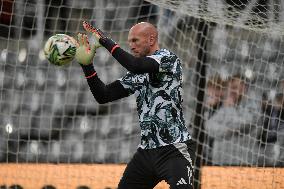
x,y
233,78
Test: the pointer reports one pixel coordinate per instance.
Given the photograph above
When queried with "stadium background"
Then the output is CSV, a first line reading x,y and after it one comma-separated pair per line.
x,y
48,115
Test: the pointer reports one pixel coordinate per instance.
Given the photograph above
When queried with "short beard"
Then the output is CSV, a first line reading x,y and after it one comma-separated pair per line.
x,y
145,52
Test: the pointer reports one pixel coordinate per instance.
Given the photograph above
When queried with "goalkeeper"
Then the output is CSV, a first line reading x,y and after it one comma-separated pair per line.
x,y
166,151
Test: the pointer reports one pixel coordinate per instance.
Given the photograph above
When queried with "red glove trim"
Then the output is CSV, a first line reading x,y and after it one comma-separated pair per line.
x,y
87,77
113,48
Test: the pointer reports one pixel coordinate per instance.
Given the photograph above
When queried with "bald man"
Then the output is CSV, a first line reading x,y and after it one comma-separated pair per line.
x,y
166,151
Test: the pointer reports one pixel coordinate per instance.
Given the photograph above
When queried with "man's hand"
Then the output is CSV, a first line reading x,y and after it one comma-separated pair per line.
x,y
95,31
84,52
101,38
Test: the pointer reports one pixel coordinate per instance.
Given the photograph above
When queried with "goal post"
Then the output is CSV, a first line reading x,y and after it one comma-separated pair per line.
x,y
232,56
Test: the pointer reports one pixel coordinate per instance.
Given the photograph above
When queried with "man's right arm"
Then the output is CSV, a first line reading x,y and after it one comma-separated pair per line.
x,y
101,92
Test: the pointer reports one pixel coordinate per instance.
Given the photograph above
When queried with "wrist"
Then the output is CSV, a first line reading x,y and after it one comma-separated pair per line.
x,y
108,43
90,76
88,69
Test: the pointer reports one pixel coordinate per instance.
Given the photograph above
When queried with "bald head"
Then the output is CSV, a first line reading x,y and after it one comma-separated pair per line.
x,y
146,29
143,39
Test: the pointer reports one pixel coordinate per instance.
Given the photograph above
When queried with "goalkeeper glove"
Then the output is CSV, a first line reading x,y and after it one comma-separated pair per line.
x,y
98,34
84,52
108,43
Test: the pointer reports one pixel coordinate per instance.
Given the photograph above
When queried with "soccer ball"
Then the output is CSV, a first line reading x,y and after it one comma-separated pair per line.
x,y
60,49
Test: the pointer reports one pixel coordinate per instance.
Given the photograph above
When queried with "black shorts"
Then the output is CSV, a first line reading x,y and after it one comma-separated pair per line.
x,y
172,163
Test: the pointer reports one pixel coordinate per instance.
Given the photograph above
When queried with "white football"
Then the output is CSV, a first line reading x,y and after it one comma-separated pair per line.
x,y
60,49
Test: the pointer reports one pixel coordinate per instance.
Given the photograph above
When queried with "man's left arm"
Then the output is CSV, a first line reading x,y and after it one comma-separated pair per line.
x,y
133,64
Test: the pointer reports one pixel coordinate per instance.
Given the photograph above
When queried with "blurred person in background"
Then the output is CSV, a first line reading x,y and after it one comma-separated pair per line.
x,y
215,89
166,151
272,133
234,125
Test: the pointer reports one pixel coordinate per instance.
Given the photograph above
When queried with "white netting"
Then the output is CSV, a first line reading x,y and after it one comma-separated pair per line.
x,y
262,16
48,114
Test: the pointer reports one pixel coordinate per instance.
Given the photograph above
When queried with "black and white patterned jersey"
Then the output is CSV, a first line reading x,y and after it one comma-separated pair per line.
x,y
159,101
